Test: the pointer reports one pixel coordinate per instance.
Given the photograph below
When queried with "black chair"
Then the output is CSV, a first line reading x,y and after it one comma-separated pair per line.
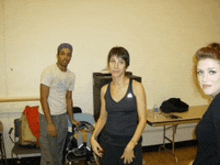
x,y
77,110
19,150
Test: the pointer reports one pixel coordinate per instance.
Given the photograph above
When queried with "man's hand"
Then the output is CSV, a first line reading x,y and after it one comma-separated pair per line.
x,y
76,123
52,130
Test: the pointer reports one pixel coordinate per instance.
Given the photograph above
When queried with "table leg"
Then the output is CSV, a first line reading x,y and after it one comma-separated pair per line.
x,y
172,141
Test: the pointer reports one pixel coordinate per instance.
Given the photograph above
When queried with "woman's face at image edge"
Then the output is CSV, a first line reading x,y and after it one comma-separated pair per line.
x,y
208,74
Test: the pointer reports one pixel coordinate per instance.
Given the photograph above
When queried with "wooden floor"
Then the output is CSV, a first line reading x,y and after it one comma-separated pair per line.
x,y
184,155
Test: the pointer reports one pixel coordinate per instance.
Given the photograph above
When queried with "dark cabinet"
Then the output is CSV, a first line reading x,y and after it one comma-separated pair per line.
x,y
99,80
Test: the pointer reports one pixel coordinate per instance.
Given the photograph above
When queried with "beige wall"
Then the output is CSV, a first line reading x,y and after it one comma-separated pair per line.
x,y
161,37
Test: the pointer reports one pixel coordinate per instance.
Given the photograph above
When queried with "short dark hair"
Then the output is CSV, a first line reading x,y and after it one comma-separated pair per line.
x,y
121,53
64,45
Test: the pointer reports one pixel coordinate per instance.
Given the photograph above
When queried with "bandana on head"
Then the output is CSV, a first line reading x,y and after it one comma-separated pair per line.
x,y
64,45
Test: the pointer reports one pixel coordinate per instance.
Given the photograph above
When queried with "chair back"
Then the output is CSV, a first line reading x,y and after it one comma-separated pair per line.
x,y
85,117
17,127
77,110
17,130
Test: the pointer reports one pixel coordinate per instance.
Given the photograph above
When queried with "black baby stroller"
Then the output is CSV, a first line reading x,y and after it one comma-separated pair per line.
x,y
78,148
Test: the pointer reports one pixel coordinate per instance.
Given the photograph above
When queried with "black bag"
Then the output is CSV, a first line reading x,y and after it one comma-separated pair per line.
x,y
174,105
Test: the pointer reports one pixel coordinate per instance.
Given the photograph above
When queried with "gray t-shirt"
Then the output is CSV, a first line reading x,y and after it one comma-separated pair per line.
x,y
59,83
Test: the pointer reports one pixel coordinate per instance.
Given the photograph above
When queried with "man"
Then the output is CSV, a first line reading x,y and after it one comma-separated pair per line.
x,y
57,84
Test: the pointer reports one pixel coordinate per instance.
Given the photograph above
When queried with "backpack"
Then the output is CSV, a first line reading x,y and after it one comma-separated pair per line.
x,y
29,128
174,105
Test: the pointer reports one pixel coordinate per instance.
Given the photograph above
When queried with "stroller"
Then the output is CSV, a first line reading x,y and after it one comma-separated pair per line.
x,y
78,148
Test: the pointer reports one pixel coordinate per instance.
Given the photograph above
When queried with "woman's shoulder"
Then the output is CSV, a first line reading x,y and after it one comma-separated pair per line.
x,y
215,107
104,88
137,86
216,101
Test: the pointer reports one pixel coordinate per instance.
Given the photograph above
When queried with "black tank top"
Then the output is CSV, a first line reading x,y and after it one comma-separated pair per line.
x,y
122,115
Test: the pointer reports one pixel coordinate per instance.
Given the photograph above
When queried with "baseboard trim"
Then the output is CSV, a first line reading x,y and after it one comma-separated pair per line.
x,y
155,148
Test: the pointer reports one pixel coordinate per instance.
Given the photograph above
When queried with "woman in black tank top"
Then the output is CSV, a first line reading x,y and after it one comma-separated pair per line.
x,y
123,115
